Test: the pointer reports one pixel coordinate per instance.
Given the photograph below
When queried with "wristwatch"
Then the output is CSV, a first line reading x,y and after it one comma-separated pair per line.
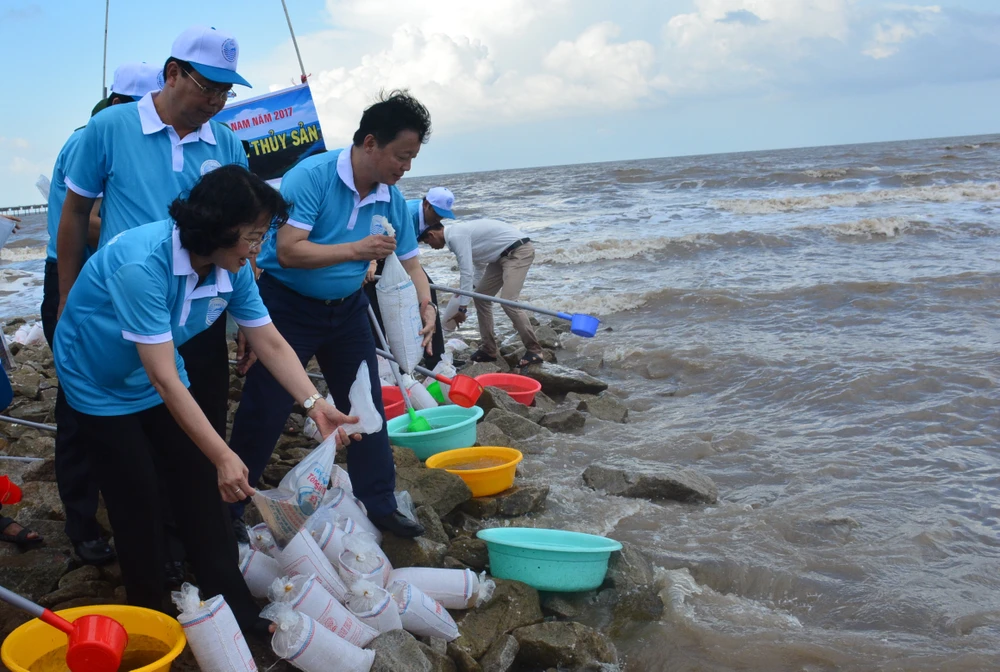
x,y
431,304
311,401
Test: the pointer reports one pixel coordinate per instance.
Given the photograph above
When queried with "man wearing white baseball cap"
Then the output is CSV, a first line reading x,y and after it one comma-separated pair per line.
x,y
78,492
142,157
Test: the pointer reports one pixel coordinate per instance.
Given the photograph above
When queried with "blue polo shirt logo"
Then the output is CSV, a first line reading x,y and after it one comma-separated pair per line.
x,y
115,239
376,228
215,308
209,165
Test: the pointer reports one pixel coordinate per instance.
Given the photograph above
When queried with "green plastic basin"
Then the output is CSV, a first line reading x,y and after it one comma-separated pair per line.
x,y
454,427
554,560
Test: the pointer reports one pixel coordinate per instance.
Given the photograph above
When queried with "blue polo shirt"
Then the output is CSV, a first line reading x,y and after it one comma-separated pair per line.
x,y
416,214
327,205
140,288
142,165
57,194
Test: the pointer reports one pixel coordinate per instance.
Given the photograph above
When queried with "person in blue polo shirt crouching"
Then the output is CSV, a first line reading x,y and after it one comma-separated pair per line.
x,y
143,294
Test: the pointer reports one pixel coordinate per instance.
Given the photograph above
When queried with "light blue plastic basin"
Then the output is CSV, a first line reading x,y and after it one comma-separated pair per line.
x,y
554,560
454,427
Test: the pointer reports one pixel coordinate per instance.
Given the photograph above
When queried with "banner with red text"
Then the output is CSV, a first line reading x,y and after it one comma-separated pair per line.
x,y
278,129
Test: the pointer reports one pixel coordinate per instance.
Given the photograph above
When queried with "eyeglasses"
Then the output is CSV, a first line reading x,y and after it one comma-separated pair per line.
x,y
256,244
211,92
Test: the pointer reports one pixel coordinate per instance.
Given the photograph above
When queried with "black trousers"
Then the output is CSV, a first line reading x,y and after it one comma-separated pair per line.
x,y
77,489
132,454
206,360
437,342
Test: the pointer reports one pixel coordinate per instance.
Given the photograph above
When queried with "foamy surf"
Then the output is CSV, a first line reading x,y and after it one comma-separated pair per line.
x,y
951,193
19,254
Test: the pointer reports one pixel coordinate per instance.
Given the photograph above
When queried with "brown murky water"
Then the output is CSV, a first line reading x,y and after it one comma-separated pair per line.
x,y
140,652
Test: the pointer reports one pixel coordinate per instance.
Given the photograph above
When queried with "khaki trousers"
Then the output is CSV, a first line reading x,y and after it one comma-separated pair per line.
x,y
506,275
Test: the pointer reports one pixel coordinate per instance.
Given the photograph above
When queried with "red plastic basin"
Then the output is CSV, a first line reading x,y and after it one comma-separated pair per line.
x,y
520,388
392,400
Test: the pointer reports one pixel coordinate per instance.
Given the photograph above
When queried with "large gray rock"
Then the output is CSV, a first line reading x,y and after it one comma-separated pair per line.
x,y
544,402
470,551
474,369
547,337
34,411
41,471
512,606
563,420
494,397
515,501
396,651
35,573
556,644
501,656
463,661
629,569
25,383
440,662
513,425
433,487
682,485
433,529
40,500
418,552
557,380
405,458
82,575
488,434
83,589
604,406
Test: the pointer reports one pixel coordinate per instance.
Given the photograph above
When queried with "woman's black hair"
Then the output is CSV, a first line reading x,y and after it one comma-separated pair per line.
x,y
391,115
219,203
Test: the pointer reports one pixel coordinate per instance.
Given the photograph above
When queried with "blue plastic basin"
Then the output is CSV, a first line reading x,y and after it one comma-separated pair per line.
x,y
554,560
454,427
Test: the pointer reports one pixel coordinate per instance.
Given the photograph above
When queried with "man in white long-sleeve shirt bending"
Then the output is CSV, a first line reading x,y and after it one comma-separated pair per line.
x,y
504,254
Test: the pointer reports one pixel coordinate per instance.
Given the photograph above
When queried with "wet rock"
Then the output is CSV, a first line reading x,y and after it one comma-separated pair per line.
x,y
494,397
474,369
433,487
501,656
556,379
513,425
604,406
418,552
628,607
44,471
463,523
405,458
563,420
85,574
398,651
25,383
433,529
82,589
557,644
34,411
513,606
488,434
544,402
34,573
463,661
559,326
662,483
515,501
629,569
470,551
568,606
39,500
547,337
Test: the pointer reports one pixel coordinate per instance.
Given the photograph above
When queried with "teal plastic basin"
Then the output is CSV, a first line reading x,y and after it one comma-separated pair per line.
x,y
454,427
554,560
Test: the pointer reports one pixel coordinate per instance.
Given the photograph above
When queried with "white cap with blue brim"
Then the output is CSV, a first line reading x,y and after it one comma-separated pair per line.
x,y
213,53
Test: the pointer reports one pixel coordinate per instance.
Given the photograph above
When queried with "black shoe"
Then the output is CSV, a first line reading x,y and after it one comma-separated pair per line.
x,y
95,552
173,573
399,525
241,531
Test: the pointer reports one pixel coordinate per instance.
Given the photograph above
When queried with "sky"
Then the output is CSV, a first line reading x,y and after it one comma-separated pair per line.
x,y
521,83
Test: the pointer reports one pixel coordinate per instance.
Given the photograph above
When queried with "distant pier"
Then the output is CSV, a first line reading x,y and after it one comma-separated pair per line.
x,y
19,210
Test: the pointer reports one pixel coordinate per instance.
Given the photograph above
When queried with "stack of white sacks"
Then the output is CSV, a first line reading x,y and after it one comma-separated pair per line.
x,y
331,587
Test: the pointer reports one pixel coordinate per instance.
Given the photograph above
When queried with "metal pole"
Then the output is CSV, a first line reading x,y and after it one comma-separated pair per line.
x,y
28,423
497,299
295,42
104,71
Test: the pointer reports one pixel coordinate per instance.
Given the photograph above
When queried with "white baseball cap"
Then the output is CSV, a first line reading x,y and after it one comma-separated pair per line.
x,y
136,79
442,200
211,52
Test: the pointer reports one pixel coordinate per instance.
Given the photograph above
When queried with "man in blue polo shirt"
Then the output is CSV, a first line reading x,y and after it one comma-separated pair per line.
x,y
143,157
79,492
312,273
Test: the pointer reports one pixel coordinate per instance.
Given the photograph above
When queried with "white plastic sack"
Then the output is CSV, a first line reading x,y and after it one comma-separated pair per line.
x,y
453,345
44,185
28,334
343,503
329,529
311,647
259,570
363,560
212,632
453,588
385,371
6,228
307,596
362,405
397,300
448,314
303,556
420,614
419,396
374,606
262,540
340,479
286,508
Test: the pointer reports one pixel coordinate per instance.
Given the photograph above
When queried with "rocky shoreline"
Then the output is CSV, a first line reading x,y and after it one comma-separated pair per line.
x,y
518,629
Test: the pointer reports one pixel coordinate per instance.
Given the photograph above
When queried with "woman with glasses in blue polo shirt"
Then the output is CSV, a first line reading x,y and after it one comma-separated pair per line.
x,y
138,298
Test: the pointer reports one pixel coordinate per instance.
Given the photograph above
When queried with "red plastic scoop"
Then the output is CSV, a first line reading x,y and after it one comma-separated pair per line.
x,y
463,390
96,643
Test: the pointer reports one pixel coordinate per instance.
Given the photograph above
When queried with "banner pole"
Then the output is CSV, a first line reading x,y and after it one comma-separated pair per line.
x,y
295,42
104,70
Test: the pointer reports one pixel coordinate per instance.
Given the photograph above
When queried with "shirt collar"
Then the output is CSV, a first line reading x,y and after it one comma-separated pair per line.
x,y
151,122
421,227
346,173
182,266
